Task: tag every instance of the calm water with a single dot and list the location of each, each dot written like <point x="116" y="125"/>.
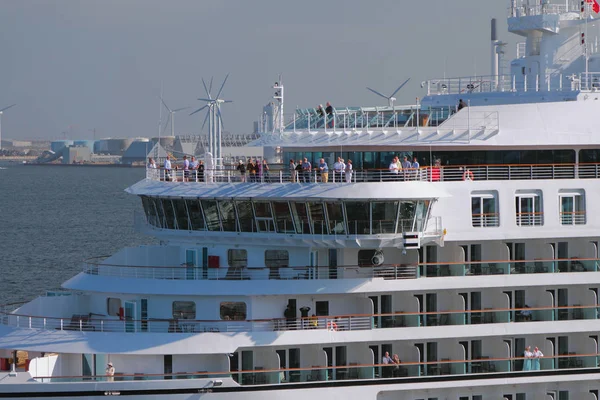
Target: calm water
<point x="53" y="218"/>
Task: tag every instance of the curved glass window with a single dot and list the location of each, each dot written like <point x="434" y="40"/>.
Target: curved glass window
<point x="264" y="217"/>
<point x="211" y="214"/>
<point x="300" y="214"/>
<point x="160" y="213"/>
<point x="317" y="217"/>
<point x="357" y="213"/>
<point x="283" y="217"/>
<point x="181" y="214"/>
<point x="407" y="216"/>
<point x="150" y="211"/>
<point x="196" y="216"/>
<point x="227" y="211"/>
<point x="169" y="213"/>
<point x="245" y="216"/>
<point x="384" y="214"/>
<point x="335" y="218"/>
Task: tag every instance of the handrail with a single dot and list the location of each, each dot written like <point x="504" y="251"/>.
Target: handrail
<point x="346" y="322"/>
<point x="336" y="367"/>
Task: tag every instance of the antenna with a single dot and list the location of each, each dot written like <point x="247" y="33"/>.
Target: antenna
<point x="1" y="113"/>
<point x="391" y="99"/>
<point x="215" y="120"/>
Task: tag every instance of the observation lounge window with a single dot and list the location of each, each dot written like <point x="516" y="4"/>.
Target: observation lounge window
<point x="421" y="215"/>
<point x="237" y="258"/>
<point x="572" y="207"/>
<point x="211" y="214"/>
<point x="283" y="217"/>
<point x="484" y="209"/>
<point x="528" y="206"/>
<point x="407" y="216"/>
<point x="181" y="214"/>
<point x="169" y="213"/>
<point x="160" y="213"/>
<point x="317" y="217"/>
<point x="233" y="311"/>
<point x="357" y="214"/>
<point x="228" y="219"/>
<point x="335" y="217"/>
<point x="277" y="258"/>
<point x="184" y="310"/>
<point x="300" y="215"/>
<point x="150" y="211"/>
<point x="196" y="216"/>
<point x="264" y="216"/>
<point x="384" y="215"/>
<point x="245" y="216"/>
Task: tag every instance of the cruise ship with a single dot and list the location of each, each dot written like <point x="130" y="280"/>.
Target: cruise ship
<point x="473" y="275"/>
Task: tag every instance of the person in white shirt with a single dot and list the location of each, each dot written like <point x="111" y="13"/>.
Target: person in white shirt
<point x="186" y="169"/>
<point x="527" y="355"/>
<point x="338" y="169"/>
<point x="194" y="168"/>
<point x="151" y="163"/>
<point x="167" y="168"/>
<point x="537" y="354"/>
<point x="394" y="168"/>
<point x="348" y="171"/>
<point x="110" y="372"/>
<point x="387" y="371"/>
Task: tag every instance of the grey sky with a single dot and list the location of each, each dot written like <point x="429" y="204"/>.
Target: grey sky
<point x="99" y="64"/>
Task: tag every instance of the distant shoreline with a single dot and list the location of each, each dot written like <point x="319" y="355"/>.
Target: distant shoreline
<point x="85" y="165"/>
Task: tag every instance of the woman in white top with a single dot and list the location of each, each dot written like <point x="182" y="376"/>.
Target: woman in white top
<point x="527" y="359"/>
<point x="151" y="163"/>
<point x="348" y="171"/>
<point x="537" y="354"/>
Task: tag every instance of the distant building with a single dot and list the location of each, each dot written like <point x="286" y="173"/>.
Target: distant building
<point x="76" y="154"/>
<point x="137" y="152"/>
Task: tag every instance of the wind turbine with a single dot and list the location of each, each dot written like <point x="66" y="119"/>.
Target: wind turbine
<point x="390" y="98"/>
<point x="171" y="116"/>
<point x="215" y="120"/>
<point x="2" y="112"/>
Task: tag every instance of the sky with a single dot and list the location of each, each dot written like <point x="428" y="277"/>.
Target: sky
<point x="78" y="67"/>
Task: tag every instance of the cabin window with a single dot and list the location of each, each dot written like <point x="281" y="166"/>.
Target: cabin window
<point x="484" y="209"/>
<point x="572" y="207"/>
<point x="113" y="305"/>
<point x="237" y="258"/>
<point x="277" y="258"/>
<point x="528" y="208"/>
<point x="233" y="311"/>
<point x="184" y="310"/>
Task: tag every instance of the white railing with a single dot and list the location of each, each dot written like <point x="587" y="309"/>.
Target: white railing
<point x="530" y="219"/>
<point x="485" y="220"/>
<point x="521" y="49"/>
<point x="435" y="174"/>
<point x="573" y="218"/>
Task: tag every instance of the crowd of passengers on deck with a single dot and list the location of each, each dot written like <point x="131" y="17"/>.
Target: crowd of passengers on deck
<point x="303" y="171"/>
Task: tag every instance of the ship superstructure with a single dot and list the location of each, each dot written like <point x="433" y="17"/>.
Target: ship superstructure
<point x="289" y="283"/>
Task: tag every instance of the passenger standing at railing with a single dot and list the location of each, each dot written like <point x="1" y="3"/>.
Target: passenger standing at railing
<point x="468" y="175"/>
<point x="292" y="168"/>
<point x="186" y="169"/>
<point x="151" y="163"/>
<point x="406" y="165"/>
<point x="537" y="354"/>
<point x="306" y="169"/>
<point x="110" y="372"/>
<point x="338" y="170"/>
<point x="436" y="171"/>
<point x="461" y="104"/>
<point x="201" y="171"/>
<point x="324" y="171"/>
<point x="348" y="171"/>
<point x="167" y="167"/>
<point x="393" y="168"/>
<point x="527" y="359"/>
<point x="242" y="168"/>
<point x="415" y="166"/>
<point x="250" y="170"/>
<point x="329" y="112"/>
<point x="194" y="168"/>
<point x="264" y="171"/>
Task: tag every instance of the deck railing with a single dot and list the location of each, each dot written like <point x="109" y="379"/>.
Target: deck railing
<point x="334" y="323"/>
<point x="495" y="367"/>
<point x="493" y="172"/>
<point x="96" y="266"/>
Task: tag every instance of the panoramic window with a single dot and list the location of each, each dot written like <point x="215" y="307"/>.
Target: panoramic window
<point x="184" y="310"/>
<point x="484" y="209"/>
<point x="196" y="216"/>
<point x="181" y="214"/>
<point x="572" y="207"/>
<point x="335" y="215"/>
<point x="283" y="217"/>
<point x="317" y="216"/>
<point x="528" y="207"/>
<point x="384" y="214"/>
<point x="277" y="258"/>
<point x="211" y="214"/>
<point x="407" y="216"/>
<point x="300" y="214"/>
<point x="264" y="217"/>
<point x="227" y="211"/>
<point x="150" y="211"/>
<point x="237" y="258"/>
<point x="245" y="216"/>
<point x="233" y="311"/>
<point x="357" y="213"/>
<point x="169" y="213"/>
<point x="112" y="306"/>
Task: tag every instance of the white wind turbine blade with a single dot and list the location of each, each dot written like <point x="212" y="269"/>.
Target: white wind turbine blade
<point x="166" y="124"/>
<point x="210" y="86"/>
<point x="206" y="89"/>
<point x="200" y="109"/>
<point x="220" y="118"/>
<point x="377" y="93"/>
<point x="205" y="118"/>
<point x="400" y="87"/>
<point x="223" y="84"/>
<point x="165" y="104"/>
<point x="6" y="108"/>
<point x="209" y="100"/>
<point x="180" y="109"/>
